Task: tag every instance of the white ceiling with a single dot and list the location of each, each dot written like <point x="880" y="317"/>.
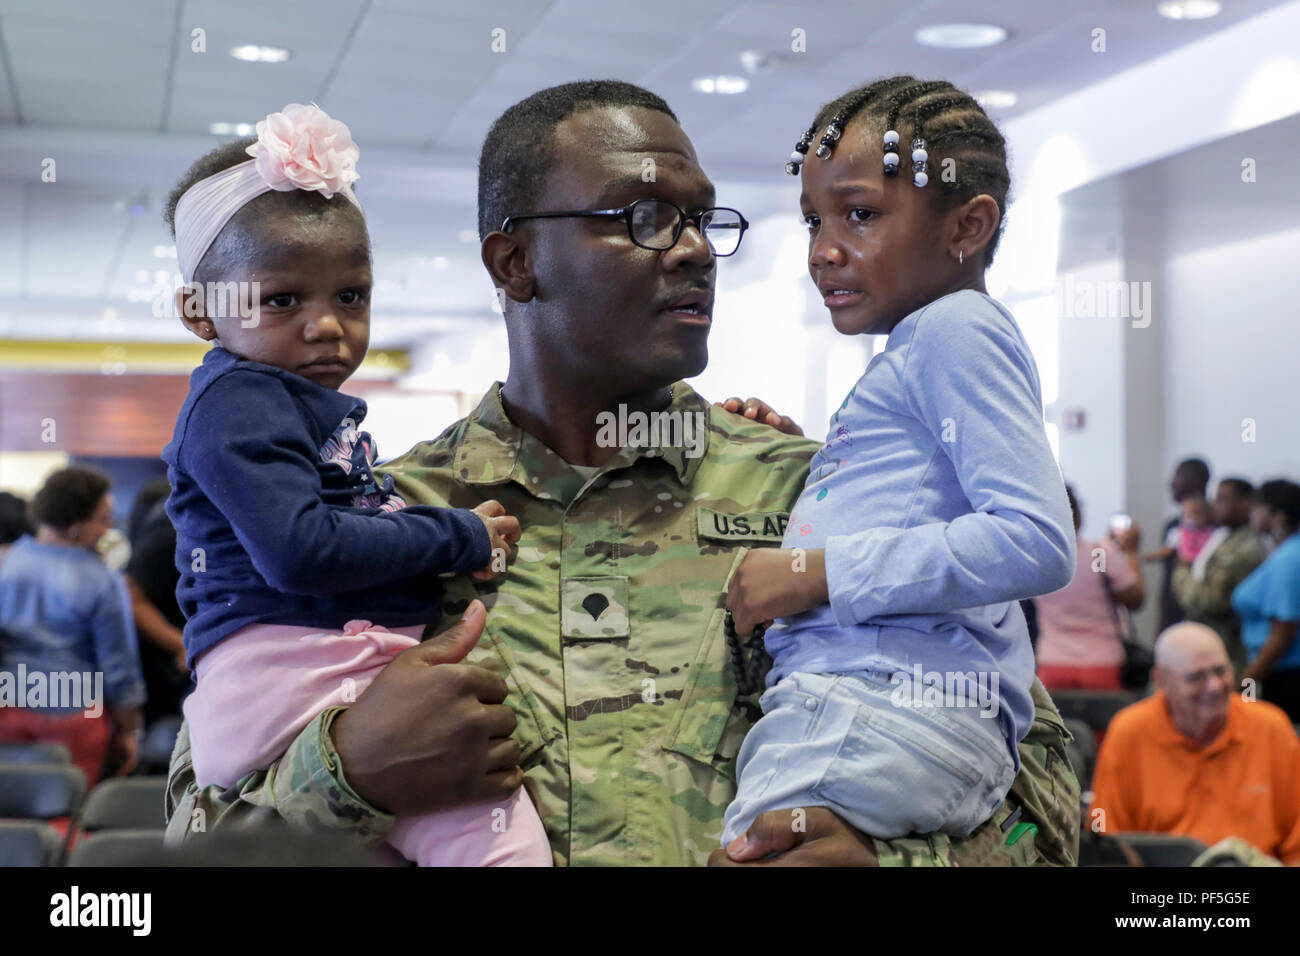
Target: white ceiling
<point x="112" y="91"/>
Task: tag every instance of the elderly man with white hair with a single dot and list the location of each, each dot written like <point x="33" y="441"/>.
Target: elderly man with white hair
<point x="1198" y="758"/>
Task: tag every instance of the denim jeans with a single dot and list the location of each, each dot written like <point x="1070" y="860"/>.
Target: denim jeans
<point x="845" y="742"/>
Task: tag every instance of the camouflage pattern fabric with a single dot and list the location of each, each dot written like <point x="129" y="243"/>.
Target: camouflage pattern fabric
<point x="1209" y="600"/>
<point x="608" y="630"/>
<point x="1234" y="851"/>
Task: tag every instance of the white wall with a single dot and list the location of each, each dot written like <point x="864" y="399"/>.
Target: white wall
<point x="1232" y="352"/>
<point x="1091" y="377"/>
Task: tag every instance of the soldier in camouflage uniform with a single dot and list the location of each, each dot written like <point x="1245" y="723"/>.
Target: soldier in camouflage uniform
<point x="608" y="627"/>
<point x="1207" y="599"/>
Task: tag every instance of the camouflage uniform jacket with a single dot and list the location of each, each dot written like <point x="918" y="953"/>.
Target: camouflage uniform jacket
<point x="1209" y="600"/>
<point x="608" y="630"/>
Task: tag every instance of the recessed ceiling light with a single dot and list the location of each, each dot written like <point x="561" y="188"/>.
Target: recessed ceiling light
<point x="253" y="53"/>
<point x="720" y="84"/>
<point x="755" y="61"/>
<point x="164" y="252"/>
<point x="961" y="36"/>
<point x="996" y="99"/>
<point x="1189" y="9"/>
<point x="468" y="235"/>
<point x="228" y="129"/>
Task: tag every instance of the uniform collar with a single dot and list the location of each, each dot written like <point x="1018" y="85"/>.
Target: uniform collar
<point x="492" y="449"/>
<point x="1168" y="732"/>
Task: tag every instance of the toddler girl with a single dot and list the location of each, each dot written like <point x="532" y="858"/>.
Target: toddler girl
<point x="302" y="574"/>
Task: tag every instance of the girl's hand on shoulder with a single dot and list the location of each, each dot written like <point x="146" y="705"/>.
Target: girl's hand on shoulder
<point x="504" y="531"/>
<point x="759" y="411"/>
<point x="776" y="582"/>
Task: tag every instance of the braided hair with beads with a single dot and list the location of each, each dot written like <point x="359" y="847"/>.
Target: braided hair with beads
<point x="940" y="115"/>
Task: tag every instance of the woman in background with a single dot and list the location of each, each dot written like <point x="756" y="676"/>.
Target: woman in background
<point x="65" y="612"/>
<point x="1269" y="604"/>
<point x="1080" y="632"/>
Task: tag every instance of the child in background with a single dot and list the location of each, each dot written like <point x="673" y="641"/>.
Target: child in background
<point x="1190" y="535"/>
<point x="287" y="543"/>
<point x="902" y="666"/>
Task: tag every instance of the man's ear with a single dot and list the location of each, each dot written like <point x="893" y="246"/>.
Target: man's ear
<point x="974" y="223"/>
<point x="1159" y="679"/>
<point x="190" y="308"/>
<point x="509" y="262"/>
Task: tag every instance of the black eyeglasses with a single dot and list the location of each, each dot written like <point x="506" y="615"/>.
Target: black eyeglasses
<point x="657" y="224"/>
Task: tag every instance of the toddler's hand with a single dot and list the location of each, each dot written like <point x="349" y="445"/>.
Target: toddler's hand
<point x="760" y="411"/>
<point x="504" y="531"/>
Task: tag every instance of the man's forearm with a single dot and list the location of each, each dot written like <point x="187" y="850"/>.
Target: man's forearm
<point x="305" y="787"/>
<point x="127" y="720"/>
<point x="150" y="623"/>
<point x="1281" y="636"/>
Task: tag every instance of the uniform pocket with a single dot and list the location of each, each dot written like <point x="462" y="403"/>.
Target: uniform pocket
<point x="708" y="726"/>
<point x="530" y="732"/>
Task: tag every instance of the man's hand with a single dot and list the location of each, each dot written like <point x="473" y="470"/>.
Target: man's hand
<point x="820" y="839"/>
<point x="430" y="734"/>
<point x="760" y="411"/>
<point x="124" y="748"/>
<point x="504" y="531"/>
<point x="772" y="583"/>
<point x="1129" y="540"/>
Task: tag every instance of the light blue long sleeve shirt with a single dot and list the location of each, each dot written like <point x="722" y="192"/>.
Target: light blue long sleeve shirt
<point x="63" y="611"/>
<point x="939" y="506"/>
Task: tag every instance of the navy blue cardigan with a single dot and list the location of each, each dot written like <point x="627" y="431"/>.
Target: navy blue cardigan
<point x="280" y="518"/>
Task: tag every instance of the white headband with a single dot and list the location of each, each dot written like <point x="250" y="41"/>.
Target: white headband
<point x="297" y="148"/>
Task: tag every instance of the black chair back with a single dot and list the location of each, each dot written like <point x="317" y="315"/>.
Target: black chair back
<point x="40" y="791"/>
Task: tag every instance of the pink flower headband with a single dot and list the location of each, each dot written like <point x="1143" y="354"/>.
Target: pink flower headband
<point x="297" y="148"/>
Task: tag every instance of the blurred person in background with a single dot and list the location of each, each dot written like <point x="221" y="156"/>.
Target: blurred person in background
<point x="1191" y="479"/>
<point x="151" y="578"/>
<point x="1195" y="759"/>
<point x="1268" y="602"/>
<point x="14" y="522"/>
<point x="1081" y="633"/>
<point x="1261" y="515"/>
<point x="65" y="612"/>
<point x="1188" y="538"/>
<point x="1205" y="584"/>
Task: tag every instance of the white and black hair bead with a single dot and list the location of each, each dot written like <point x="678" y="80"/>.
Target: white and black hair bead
<point x="919" y="157"/>
<point x="891" y="152"/>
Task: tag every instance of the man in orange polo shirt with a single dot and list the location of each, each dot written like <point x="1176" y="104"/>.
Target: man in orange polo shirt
<point x="1197" y="760"/>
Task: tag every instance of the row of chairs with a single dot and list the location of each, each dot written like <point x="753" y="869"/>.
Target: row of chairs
<point x="52" y="791"/>
<point x="47" y="817"/>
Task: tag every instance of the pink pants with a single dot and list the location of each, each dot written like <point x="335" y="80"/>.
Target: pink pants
<point x="259" y="688"/>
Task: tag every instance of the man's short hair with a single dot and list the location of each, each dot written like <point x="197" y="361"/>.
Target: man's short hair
<point x="1193" y="470"/>
<point x="1283" y="497"/>
<point x="1240" y="487"/>
<point x="520" y="147"/>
